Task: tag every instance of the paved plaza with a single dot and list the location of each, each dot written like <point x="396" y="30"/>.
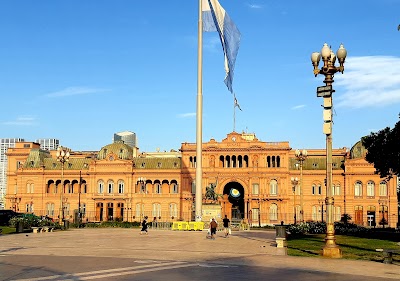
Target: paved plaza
<point x="124" y="254"/>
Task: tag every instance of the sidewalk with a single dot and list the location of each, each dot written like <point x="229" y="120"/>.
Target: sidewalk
<point x="255" y="248"/>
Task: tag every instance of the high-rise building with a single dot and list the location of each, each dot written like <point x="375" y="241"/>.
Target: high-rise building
<point x="127" y="137"/>
<point x="4" y="145"/>
<point x="48" y="144"/>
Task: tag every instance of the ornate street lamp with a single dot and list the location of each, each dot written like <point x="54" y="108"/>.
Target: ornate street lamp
<point x="328" y="70"/>
<point x="142" y="182"/>
<point x="301" y="156"/>
<point x="62" y="156"/>
<point x="295" y="182"/>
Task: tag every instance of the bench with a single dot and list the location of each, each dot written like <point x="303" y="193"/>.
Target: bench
<point x="36" y="229"/>
<point x="47" y="229"/>
<point x="388" y="254"/>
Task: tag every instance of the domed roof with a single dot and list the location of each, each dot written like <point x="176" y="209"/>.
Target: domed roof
<point x="119" y="149"/>
<point x="358" y="151"/>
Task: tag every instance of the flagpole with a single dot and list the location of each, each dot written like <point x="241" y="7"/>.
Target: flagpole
<point x="234" y="113"/>
<point x="199" y="117"/>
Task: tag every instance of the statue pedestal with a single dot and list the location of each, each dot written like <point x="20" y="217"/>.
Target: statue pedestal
<point x="210" y="211"/>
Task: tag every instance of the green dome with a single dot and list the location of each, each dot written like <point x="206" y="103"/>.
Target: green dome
<point x="118" y="149"/>
<point x="358" y="151"/>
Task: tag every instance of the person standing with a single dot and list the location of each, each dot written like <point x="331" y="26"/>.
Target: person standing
<point x="144" y="226"/>
<point x="213" y="228"/>
<point x="227" y="229"/>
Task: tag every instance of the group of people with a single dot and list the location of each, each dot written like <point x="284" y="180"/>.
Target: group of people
<point x="214" y="226"/>
<point x="212" y="230"/>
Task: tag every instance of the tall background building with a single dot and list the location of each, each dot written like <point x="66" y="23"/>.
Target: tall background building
<point x="48" y="144"/>
<point x="127" y="137"/>
<point x="4" y="145"/>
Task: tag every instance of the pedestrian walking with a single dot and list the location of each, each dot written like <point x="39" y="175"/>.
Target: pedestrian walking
<point x="144" y="226"/>
<point x="213" y="228"/>
<point x="227" y="229"/>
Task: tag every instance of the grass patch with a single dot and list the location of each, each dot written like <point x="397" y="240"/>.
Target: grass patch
<point x="7" y="229"/>
<point x="352" y="247"/>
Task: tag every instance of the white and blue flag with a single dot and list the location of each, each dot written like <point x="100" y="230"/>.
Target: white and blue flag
<point x="216" y="19"/>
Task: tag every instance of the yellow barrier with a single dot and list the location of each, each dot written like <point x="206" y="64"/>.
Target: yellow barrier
<point x="183" y="225"/>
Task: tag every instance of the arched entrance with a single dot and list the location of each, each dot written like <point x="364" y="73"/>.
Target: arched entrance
<point x="235" y="193"/>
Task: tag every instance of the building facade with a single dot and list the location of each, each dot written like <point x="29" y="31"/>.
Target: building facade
<point x="261" y="182"/>
<point x="5" y="144"/>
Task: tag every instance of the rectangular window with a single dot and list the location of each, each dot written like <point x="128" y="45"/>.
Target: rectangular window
<point x="382" y="189"/>
<point x="139" y="210"/>
<point x="256" y="189"/>
<point x="156" y="210"/>
<point x="194" y="187"/>
<point x="173" y="210"/>
<point x="254" y="214"/>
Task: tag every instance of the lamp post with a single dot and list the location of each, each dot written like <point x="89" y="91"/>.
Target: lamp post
<point x="301" y="156"/>
<point x="328" y="70"/>
<point x="62" y="156"/>
<point x="142" y="182"/>
<point x="79" y="199"/>
<point x="295" y="182"/>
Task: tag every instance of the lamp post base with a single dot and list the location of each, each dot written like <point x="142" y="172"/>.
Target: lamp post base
<point x="332" y="252"/>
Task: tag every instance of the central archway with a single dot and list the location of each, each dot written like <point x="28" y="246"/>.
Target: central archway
<point x="235" y="192"/>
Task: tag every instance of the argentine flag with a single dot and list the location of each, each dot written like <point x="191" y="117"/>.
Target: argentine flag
<point x="216" y="19"/>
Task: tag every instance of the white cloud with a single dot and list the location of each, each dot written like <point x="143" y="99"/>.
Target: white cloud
<point x="212" y="44"/>
<point x="371" y="81"/>
<point x="186" y="115"/>
<point x="254" y="6"/>
<point x="298" y="106"/>
<point x="21" y="121"/>
<point x="73" y="91"/>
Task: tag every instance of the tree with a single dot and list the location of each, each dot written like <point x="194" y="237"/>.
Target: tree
<point x="383" y="150"/>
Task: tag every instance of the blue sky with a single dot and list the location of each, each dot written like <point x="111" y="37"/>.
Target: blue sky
<point x="80" y="70"/>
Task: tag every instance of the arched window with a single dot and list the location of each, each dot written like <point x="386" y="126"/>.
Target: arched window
<point x="157" y="188"/>
<point x="246" y="161"/>
<point x="358" y="189"/>
<point x="383" y="191"/>
<point x="278" y="161"/>
<point x="110" y="187"/>
<point x="240" y="161"/>
<point x="100" y="187"/>
<point x="273" y="187"/>
<point x="273" y="212"/>
<point x="156" y="210"/>
<point x="30" y="188"/>
<point x="370" y="189"/>
<point x="313" y="189"/>
<point x="269" y="161"/>
<point x="174" y="187"/>
<point x="173" y="210"/>
<point x="221" y="161"/>
<point x="121" y="187"/>
<point x="234" y="162"/>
